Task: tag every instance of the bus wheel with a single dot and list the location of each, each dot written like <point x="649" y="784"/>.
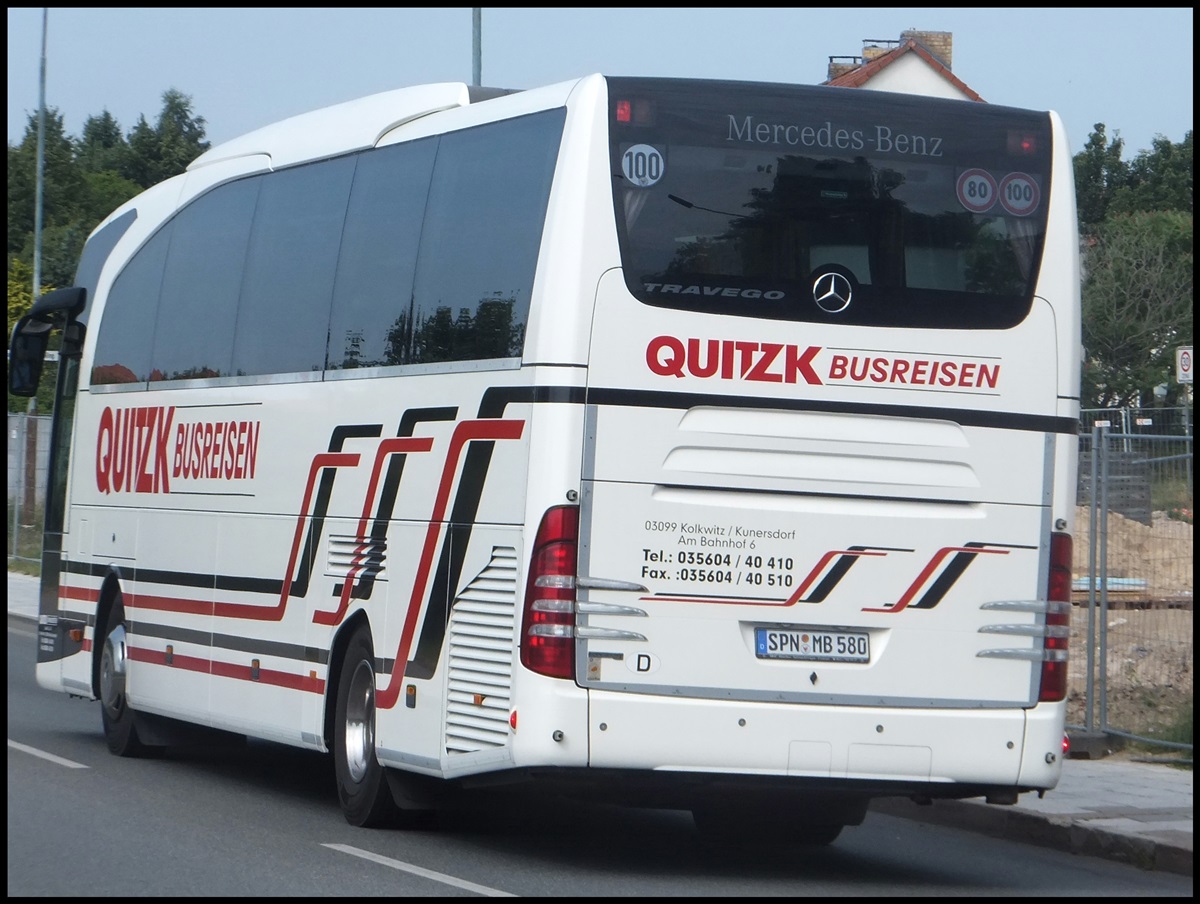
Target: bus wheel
<point x="120" y="732"/>
<point x="362" y="785"/>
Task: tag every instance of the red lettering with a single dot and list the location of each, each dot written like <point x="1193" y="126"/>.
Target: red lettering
<point x="672" y="364"/>
<point x="708" y="367"/>
<point x="801" y="363"/>
<point x="770" y="351"/>
<point x="746" y="352"/>
<point x="104" y="451"/>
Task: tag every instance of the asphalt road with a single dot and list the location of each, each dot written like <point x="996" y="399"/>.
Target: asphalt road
<point x="262" y="819"/>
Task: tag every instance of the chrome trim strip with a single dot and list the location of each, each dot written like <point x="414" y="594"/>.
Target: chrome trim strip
<point x="609" y="609"/>
<point x="587" y="632"/>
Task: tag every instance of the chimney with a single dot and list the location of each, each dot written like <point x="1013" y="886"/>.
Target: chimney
<point x="874" y="48"/>
<point x="939" y="43"/>
<point x="840" y="65"/>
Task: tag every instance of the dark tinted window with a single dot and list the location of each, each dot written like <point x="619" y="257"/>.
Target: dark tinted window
<point x="95" y="256"/>
<point x="483" y="228"/>
<point x="372" y="299"/>
<point x="127" y="328"/>
<point x="737" y="198"/>
<point x="199" y="303"/>
<point x="288" y="286"/>
<point x="434" y="254"/>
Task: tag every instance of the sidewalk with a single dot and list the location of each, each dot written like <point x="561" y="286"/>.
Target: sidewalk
<point x="1116" y="807"/>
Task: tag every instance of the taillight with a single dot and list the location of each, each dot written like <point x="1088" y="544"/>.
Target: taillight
<point x="548" y="620"/>
<point x="1058" y="621"/>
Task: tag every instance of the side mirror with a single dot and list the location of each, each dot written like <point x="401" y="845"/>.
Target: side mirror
<point x="26" y="352"/>
<point x="58" y="306"/>
<point x="27" y="347"/>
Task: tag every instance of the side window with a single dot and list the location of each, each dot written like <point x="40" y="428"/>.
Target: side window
<point x="199" y="304"/>
<point x="479" y="248"/>
<point x="288" y="286"/>
<point x="372" y="298"/>
<point x="127" y="326"/>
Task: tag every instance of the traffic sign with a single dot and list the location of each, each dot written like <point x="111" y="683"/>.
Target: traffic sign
<point x="1183" y="364"/>
<point x="1019" y="194"/>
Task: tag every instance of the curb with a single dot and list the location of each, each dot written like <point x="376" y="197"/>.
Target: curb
<point x="1056" y="832"/>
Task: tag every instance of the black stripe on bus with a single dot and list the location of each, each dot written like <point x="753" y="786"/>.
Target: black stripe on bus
<point x="1002" y="420"/>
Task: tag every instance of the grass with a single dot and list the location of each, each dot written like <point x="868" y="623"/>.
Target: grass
<point x="25" y="557"/>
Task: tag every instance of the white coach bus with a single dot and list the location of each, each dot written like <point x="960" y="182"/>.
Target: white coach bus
<point x="696" y="444"/>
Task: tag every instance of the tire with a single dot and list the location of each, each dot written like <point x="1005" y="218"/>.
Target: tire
<point x="726" y="825"/>
<point x="361" y="782"/>
<point x="116" y="715"/>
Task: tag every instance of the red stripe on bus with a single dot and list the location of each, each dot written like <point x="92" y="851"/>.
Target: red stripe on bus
<point x="386" y="448"/>
<point x="467" y="431"/>
<point x="85" y="594"/>
<point x="307" y="683"/>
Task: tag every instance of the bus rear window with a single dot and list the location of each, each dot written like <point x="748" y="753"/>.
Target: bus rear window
<point x="828" y="204"/>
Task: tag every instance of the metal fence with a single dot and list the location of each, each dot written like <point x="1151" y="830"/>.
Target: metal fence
<point x="1131" y="640"/>
<point x="1131" y="635"/>
<point x="28" y="455"/>
<point x="1142" y="421"/>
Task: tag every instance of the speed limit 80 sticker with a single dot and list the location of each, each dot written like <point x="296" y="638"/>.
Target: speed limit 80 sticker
<point x="976" y="190"/>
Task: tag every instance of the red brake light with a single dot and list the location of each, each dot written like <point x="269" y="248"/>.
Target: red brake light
<point x="1058" y="620"/>
<point x="548" y="620"/>
<point x="638" y="112"/>
<point x="1022" y="144"/>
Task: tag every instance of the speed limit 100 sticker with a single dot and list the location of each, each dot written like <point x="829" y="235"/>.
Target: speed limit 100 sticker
<point x="643" y="165"/>
<point x="976" y="190"/>
<point x="1019" y="194"/>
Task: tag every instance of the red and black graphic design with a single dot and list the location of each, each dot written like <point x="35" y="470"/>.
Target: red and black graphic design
<point x="932" y="583"/>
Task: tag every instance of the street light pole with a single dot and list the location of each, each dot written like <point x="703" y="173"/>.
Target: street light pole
<point x="41" y="166"/>
<point x="476" y="45"/>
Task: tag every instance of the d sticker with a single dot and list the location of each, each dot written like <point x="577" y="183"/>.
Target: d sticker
<point x="642" y="663"/>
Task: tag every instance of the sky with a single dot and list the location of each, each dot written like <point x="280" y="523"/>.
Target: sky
<point x="1130" y="69"/>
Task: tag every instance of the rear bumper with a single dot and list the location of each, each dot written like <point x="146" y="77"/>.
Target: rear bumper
<point x="939" y="753"/>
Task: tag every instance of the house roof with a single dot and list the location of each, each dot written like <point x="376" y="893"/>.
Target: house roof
<point x="858" y="77"/>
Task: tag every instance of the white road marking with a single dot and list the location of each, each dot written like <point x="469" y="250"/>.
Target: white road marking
<point x="70" y="764"/>
<point x="419" y="871"/>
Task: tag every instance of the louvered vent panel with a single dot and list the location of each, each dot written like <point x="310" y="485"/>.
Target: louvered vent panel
<point x="481" y="650"/>
<point x="347" y="552"/>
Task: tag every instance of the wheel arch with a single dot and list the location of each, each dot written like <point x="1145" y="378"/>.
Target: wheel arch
<point x="110" y="590"/>
<point x="337" y="654"/>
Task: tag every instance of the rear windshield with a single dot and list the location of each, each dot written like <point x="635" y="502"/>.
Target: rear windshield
<point x="828" y="204"/>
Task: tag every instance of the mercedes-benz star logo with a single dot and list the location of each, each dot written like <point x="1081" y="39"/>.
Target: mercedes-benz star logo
<point x="832" y="292"/>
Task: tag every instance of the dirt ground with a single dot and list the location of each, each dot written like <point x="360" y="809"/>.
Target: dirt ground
<point x="1148" y="638"/>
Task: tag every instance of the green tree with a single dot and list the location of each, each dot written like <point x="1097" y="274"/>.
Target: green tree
<point x="1099" y="174"/>
<point x="1137" y="306"/>
<point x="164" y="150"/>
<point x="1159" y="179"/>
<point x="62" y="182"/>
<point x="103" y="148"/>
<point x="1136" y="223"/>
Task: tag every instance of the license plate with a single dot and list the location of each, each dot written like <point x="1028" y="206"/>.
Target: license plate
<point x="817" y="644"/>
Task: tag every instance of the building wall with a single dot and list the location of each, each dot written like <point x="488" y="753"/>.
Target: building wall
<point x="911" y="75"/>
